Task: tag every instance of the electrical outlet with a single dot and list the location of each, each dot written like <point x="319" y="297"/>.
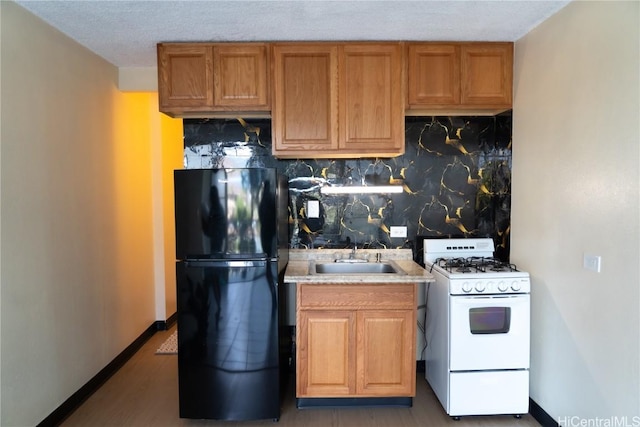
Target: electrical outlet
<point x="398" y="231"/>
<point x="591" y="262"/>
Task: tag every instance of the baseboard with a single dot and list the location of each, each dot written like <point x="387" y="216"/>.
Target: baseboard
<point x="540" y="415"/>
<point x="77" y="398"/>
<point x="163" y="325"/>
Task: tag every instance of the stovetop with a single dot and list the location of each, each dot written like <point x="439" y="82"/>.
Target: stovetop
<point x="469" y="267"/>
<point x="475" y="265"/>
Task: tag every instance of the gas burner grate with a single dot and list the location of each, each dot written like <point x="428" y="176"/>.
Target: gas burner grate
<point x="474" y="265"/>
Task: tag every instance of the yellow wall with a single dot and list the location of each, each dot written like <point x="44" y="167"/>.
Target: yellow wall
<point x="576" y="162"/>
<point x="172" y="158"/>
<point x="77" y="189"/>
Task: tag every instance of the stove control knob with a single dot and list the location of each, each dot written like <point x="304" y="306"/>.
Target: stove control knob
<point x="515" y="285"/>
<point x="480" y="287"/>
<point x="502" y="286"/>
<point x="466" y="287"/>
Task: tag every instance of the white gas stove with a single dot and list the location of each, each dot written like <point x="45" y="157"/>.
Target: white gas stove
<point x="471" y="268"/>
<point x="477" y="329"/>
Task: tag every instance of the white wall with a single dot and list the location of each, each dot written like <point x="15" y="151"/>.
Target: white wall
<point x="576" y="162"/>
<point x="76" y="250"/>
<point x="138" y="79"/>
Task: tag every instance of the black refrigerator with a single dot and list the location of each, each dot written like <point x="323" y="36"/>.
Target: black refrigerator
<point x="231" y="250"/>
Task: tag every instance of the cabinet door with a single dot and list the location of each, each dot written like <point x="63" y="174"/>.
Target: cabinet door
<point x="433" y="75"/>
<point x="487" y="74"/>
<point x="185" y="78"/>
<point x="371" y="114"/>
<point x="325" y="353"/>
<point x="386" y="353"/>
<point x="305" y="103"/>
<point x="240" y="77"/>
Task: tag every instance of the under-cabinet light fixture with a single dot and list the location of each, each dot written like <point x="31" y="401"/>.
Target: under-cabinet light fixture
<point x="362" y="189"/>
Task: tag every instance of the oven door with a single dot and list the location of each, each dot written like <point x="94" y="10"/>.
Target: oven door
<point x="489" y="332"/>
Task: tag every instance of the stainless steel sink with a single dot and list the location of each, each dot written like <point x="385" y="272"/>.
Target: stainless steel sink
<point x="356" y="268"/>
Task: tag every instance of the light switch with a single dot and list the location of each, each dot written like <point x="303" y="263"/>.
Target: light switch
<point x="313" y="209"/>
<point x="591" y="262"/>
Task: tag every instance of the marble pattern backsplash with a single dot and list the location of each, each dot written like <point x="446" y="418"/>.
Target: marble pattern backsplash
<point x="455" y="173"/>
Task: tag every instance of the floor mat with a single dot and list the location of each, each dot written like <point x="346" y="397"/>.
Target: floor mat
<point x="170" y="346"/>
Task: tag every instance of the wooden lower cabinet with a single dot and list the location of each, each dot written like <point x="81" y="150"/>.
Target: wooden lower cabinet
<point x="385" y="355"/>
<point x="356" y="340"/>
<point x="326" y="348"/>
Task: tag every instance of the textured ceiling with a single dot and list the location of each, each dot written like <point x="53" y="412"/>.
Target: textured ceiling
<point x="125" y="33"/>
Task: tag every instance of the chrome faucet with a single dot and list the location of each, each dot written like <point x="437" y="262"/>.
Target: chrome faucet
<point x="352" y="258"/>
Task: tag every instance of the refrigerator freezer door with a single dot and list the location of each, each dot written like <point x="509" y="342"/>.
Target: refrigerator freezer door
<point x="228" y="213"/>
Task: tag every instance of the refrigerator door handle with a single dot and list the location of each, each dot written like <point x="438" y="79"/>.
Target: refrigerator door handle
<point x="227" y="263"/>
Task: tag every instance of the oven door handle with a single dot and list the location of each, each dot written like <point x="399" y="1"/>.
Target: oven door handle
<point x="476" y="297"/>
<point x="490" y="300"/>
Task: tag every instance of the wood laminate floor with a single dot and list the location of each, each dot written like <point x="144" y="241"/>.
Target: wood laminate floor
<point x="144" y="392"/>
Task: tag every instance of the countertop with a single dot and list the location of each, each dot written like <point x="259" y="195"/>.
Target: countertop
<point x="300" y="259"/>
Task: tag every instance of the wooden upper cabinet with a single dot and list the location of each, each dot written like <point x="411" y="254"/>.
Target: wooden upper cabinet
<point x="340" y="100"/>
<point x="199" y="79"/>
<point x="185" y="77"/>
<point x="371" y="114"/>
<point x="241" y="77"/>
<point x="305" y="99"/>
<point x="487" y="74"/>
<point x="459" y="77"/>
<point x="434" y="74"/>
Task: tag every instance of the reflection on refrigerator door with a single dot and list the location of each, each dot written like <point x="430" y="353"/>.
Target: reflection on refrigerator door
<point x="231" y="247"/>
<point x="228" y="341"/>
